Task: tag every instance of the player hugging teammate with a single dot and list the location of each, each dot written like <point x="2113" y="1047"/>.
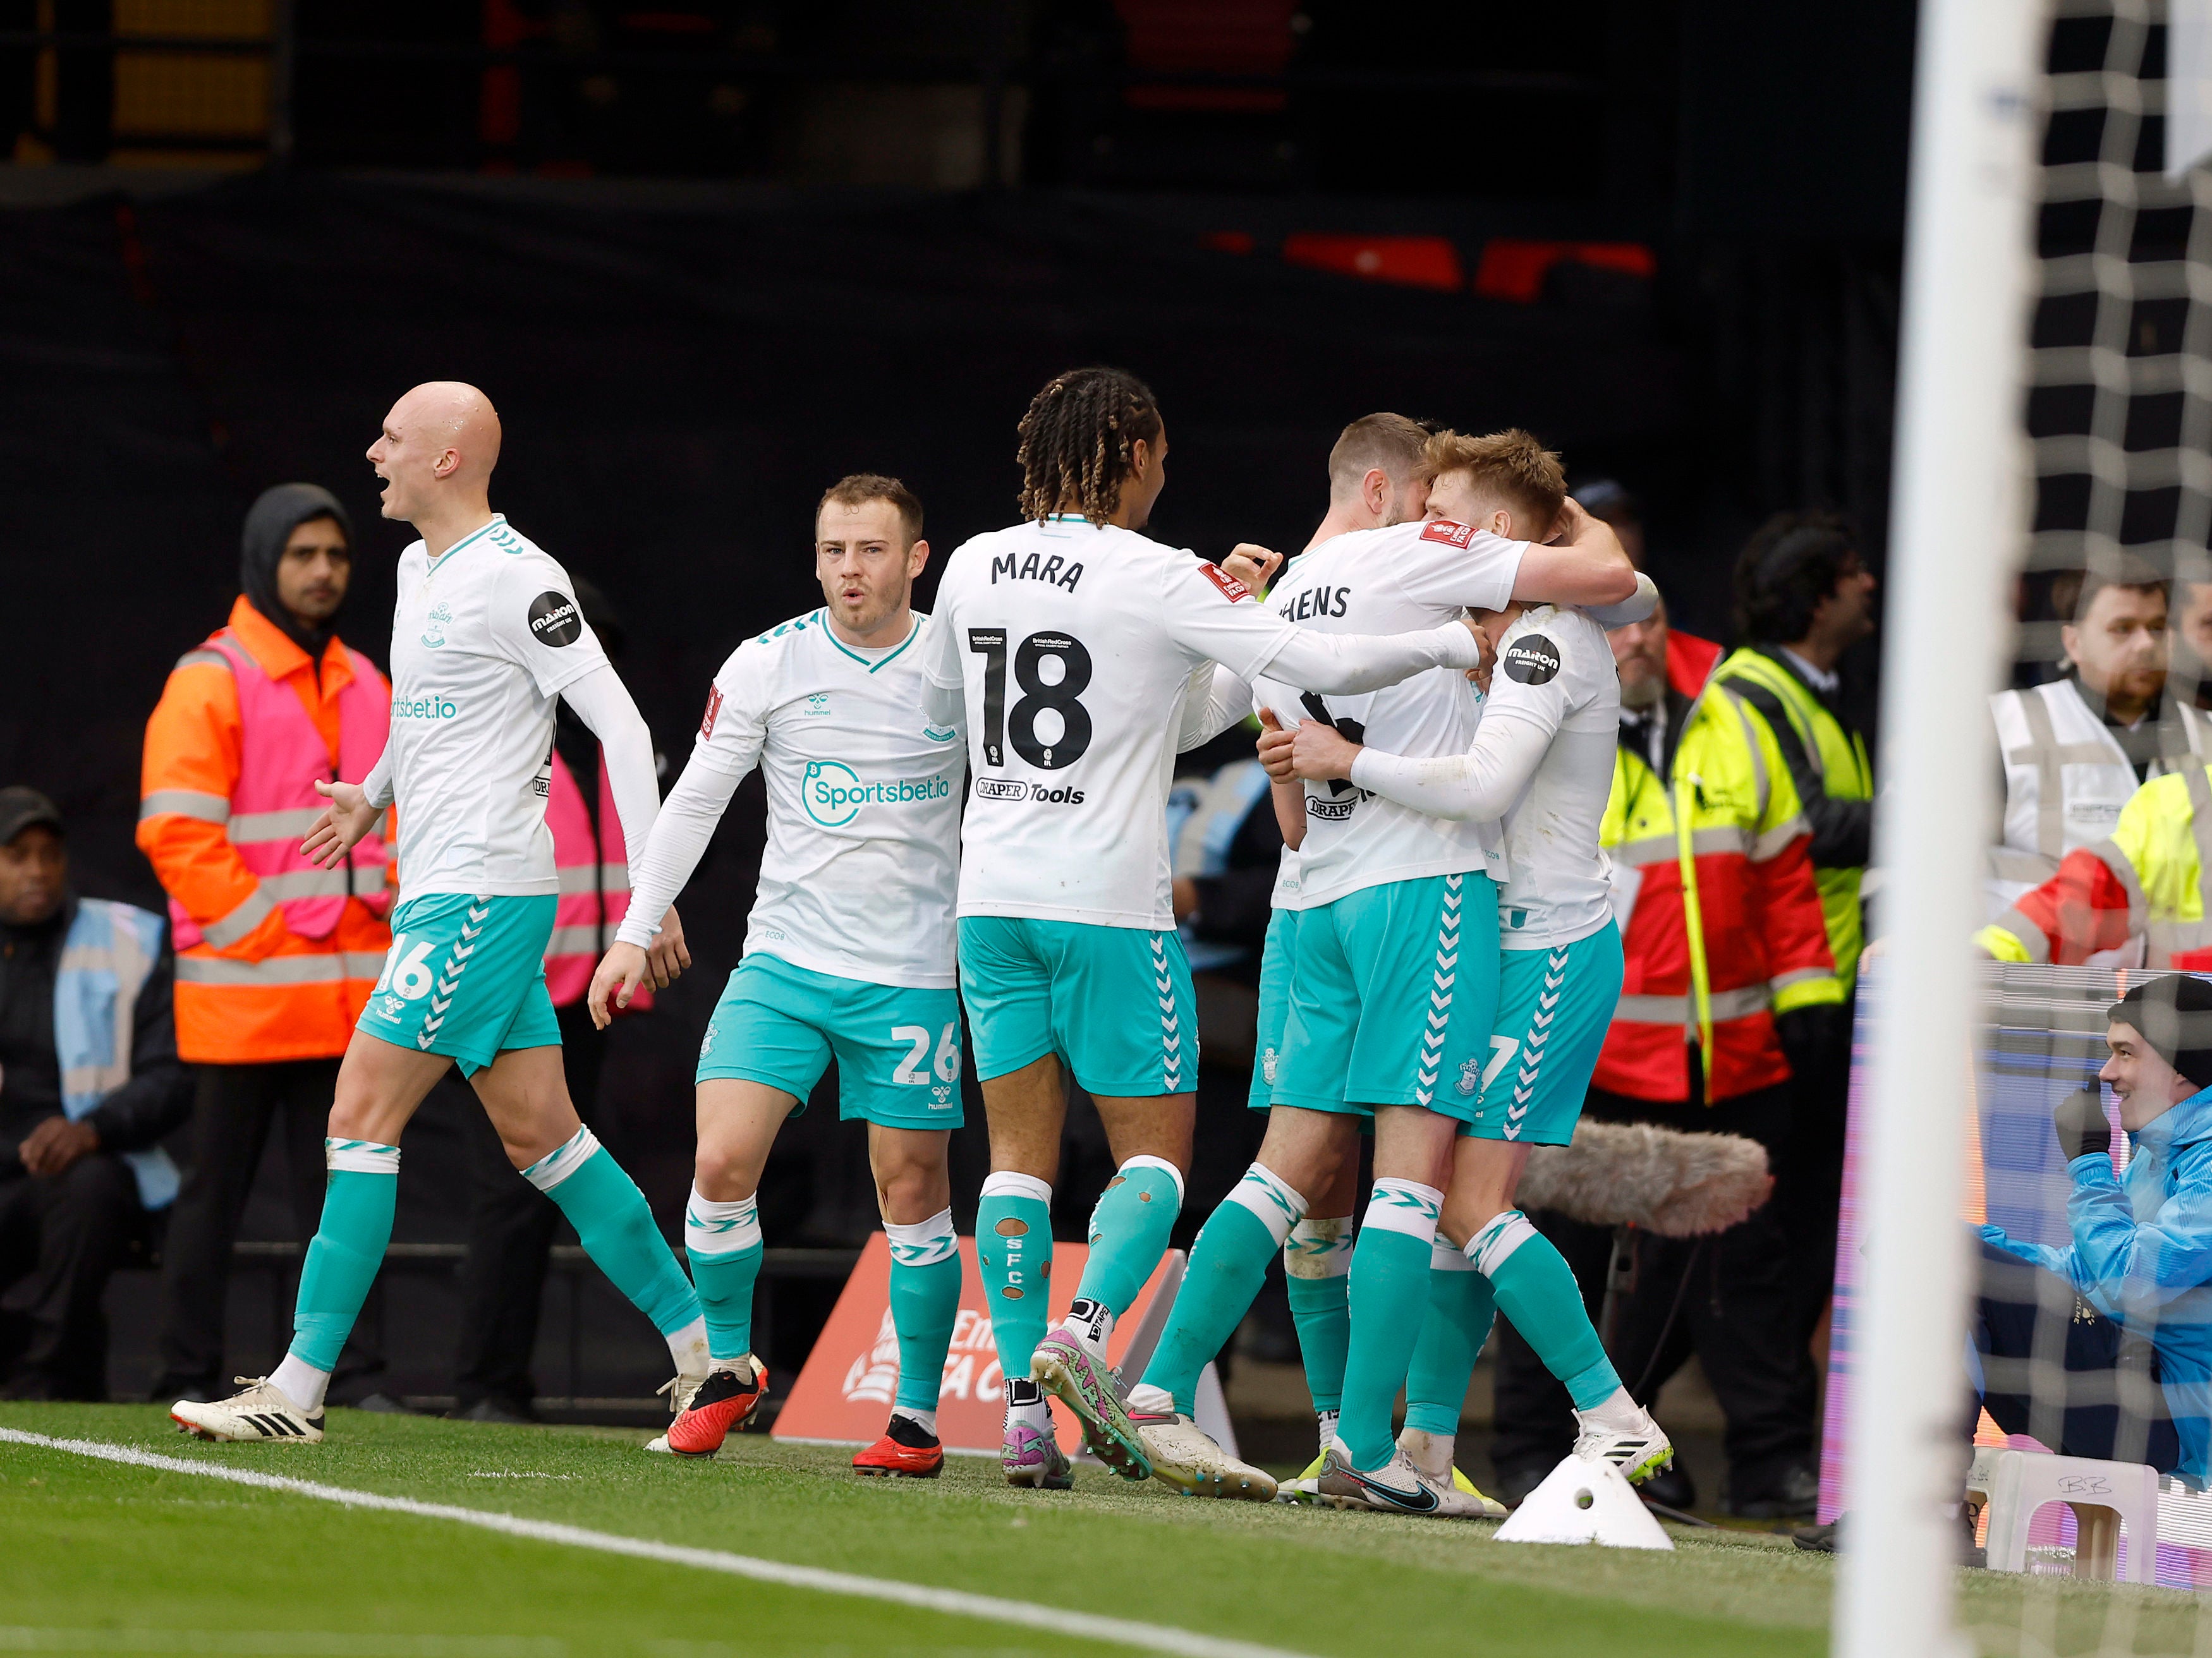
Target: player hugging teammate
<point x="1440" y="971"/>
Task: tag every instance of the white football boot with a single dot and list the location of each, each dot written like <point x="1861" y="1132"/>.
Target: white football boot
<point x="1621" y="1432"/>
<point x="1431" y="1457"/>
<point x="262" y="1411"/>
<point x="1396" y="1487"/>
<point x="1184" y="1455"/>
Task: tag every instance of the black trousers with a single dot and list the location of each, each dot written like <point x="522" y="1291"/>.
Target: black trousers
<point x="59" y="1240"/>
<point x="232" y="1115"/>
<point x="1809" y="1183"/>
<point x="511" y="1228"/>
<point x="1734" y="1300"/>
<point x="2092" y="1390"/>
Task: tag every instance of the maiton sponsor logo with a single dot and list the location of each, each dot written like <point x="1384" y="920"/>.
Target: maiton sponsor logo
<point x="1532" y="659"/>
<point x="555" y="620"/>
<point x="1007" y="788"/>
<point x="833" y="792"/>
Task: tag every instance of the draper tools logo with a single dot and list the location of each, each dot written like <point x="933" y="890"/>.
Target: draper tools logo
<point x="833" y="792"/>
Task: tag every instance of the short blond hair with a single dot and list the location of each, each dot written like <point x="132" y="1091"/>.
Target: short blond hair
<point x="1511" y="466"/>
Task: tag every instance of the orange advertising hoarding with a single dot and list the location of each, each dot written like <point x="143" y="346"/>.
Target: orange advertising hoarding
<point x="844" y="1393"/>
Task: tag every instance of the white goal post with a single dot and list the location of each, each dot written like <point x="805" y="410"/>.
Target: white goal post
<point x="1957" y="522"/>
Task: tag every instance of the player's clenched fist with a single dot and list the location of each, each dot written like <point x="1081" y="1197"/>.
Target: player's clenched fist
<point x="1274" y="746"/>
<point x="1319" y="752"/>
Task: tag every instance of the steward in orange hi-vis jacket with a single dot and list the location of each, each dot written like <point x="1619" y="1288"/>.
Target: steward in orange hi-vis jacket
<point x="274" y="957"/>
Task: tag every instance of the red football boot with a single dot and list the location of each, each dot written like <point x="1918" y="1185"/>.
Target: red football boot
<point x="726" y="1402"/>
<point x="907" y="1451"/>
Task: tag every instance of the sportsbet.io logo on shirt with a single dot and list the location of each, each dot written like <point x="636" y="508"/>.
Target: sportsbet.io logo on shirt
<point x="433" y="707"/>
<point x="833" y="792"/>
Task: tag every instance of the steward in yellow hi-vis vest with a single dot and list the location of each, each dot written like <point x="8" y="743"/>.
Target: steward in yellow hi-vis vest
<point x="1803" y="598"/>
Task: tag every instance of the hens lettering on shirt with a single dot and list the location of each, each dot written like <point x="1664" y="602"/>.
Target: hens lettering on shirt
<point x="1051" y="567"/>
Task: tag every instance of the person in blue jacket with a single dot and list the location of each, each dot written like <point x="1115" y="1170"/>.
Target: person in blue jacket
<point x="2103" y="1348"/>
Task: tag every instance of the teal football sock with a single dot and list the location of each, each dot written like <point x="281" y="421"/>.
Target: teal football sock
<point x="924" y="1304"/>
<point x="1228" y="1263"/>
<point x="348" y="1248"/>
<point x="1390" y="1293"/>
<point x="617" y="1230"/>
<point x="723" y="1241"/>
<point x="1129" y="1231"/>
<point x="1461" y="1312"/>
<point x="1536" y="1288"/>
<point x="1317" y="1267"/>
<point x="1013" y="1257"/>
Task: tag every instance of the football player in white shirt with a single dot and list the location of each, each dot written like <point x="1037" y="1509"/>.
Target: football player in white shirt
<point x="486" y="635"/>
<point x="1542" y="762"/>
<point x="849" y="952"/>
<point x="1067" y="647"/>
<point x="1373" y="482"/>
<point x="1395" y="972"/>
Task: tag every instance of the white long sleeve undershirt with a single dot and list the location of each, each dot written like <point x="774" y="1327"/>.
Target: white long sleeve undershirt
<point x="1482" y="783"/>
<point x="680" y="834"/>
<point x="603" y="702"/>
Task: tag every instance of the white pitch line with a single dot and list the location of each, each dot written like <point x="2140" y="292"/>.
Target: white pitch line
<point x="959" y="1603"/>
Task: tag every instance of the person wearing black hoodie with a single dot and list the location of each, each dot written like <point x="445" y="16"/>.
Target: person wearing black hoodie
<point x="274" y="958"/>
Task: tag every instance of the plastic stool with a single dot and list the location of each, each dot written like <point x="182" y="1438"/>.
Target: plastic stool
<point x="2104" y="1496"/>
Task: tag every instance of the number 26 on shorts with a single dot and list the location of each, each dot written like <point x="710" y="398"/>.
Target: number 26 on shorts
<point x="946" y="1063"/>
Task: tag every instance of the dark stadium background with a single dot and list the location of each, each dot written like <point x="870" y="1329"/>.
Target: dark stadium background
<point x="708" y="258"/>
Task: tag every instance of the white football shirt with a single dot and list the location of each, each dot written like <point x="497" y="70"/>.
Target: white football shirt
<point x="1073" y="644"/>
<point x="482" y="640"/>
<point x="861" y="866"/>
<point x="1394" y="579"/>
<point x="1555" y="671"/>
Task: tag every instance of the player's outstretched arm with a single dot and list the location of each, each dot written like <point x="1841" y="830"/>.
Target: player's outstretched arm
<point x="1345" y="665"/>
<point x="1585" y="563"/>
<point x="1481" y="783"/>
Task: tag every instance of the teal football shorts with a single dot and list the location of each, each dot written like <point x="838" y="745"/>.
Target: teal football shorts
<point x="897" y="1048"/>
<point x="1393" y="991"/>
<point x="1114" y="1002"/>
<point x="465" y="977"/>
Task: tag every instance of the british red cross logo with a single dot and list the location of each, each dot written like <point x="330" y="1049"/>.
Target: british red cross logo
<point x="1444" y="529"/>
<point x="714" y="708"/>
<point x="1231" y="588"/>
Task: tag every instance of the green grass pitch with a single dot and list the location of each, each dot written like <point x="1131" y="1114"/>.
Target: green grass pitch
<point x="95" y="1556"/>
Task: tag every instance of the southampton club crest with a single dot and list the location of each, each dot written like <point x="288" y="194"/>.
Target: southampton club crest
<point x="1269" y="1063"/>
<point x="1470" y="1076"/>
